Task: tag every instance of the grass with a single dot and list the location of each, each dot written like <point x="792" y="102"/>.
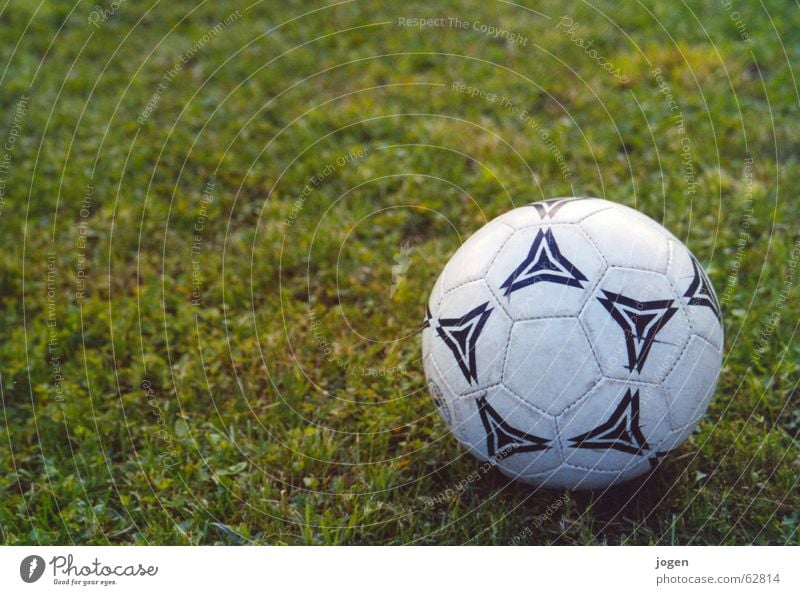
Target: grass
<point x="202" y="339"/>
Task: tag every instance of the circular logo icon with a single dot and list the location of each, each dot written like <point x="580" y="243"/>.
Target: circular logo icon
<point x="31" y="568"/>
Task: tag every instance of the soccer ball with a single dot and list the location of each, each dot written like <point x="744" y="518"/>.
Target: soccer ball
<point x="572" y="343"/>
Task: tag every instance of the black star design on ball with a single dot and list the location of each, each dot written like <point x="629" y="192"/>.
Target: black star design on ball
<point x="461" y="335"/>
<point x="700" y="292"/>
<point x="502" y="439"/>
<point x="547" y="209"/>
<point x="544" y="263"/>
<point x="620" y="432"/>
<point x="640" y="321"/>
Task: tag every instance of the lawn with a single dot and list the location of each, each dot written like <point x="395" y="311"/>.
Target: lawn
<point x="220" y="222"/>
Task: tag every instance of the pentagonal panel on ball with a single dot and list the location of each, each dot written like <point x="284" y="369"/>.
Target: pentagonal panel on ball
<point x="636" y="325"/>
<point x="545" y="271"/>
<point x="615" y="427"/>
<point x="497" y="426"/>
<point x="469" y="333"/>
<point x="692" y="381"/>
<point x="581" y="478"/>
<point x="523" y="216"/>
<point x="625" y="239"/>
<point x="549" y="363"/>
<point x="472" y="259"/>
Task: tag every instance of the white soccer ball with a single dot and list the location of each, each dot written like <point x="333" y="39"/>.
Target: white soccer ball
<point x="572" y="343"/>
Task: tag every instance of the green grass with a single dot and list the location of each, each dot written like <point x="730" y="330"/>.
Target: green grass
<point x="249" y="433"/>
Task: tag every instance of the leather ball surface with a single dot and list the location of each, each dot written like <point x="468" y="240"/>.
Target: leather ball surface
<point x="572" y="343"/>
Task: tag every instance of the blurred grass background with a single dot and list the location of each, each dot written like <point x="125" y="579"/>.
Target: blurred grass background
<point x="204" y="339"/>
